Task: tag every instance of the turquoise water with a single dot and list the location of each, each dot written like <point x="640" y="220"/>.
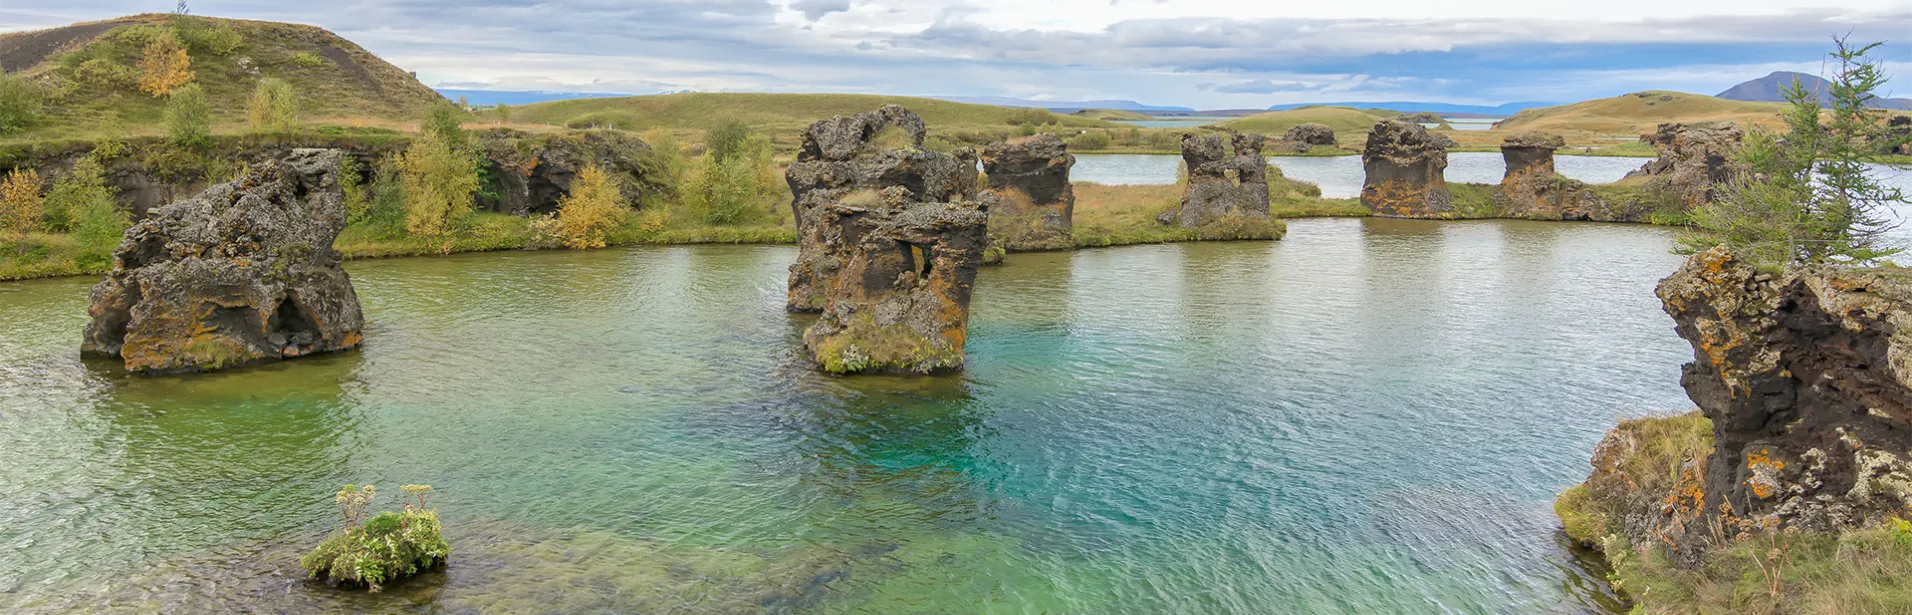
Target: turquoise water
<point x="1370" y="416"/>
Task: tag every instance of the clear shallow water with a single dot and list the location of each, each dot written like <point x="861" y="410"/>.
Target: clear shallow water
<point x="1340" y="176"/>
<point x="1369" y="416"/>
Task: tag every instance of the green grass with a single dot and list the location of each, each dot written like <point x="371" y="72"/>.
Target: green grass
<point x="784" y="116"/>
<point x="1113" y="115"/>
<point x="337" y="81"/>
<point x="1341" y="119"/>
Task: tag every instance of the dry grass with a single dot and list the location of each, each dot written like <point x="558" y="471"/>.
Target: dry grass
<point x="1649" y="463"/>
<point x="1638" y="113"/>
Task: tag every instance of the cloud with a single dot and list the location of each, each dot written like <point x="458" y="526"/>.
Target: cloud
<point x="815" y="9"/>
<point x="1201" y="53"/>
<point x="1259" y="86"/>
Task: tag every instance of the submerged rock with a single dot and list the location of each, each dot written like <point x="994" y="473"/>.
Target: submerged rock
<point x="244" y="272"/>
<point x="899" y="301"/>
<point x="1036" y="202"/>
<point x="1225" y="179"/>
<point x="839" y="157"/>
<point x="1807" y="377"/>
<point x="1693" y="160"/>
<point x="1406" y="169"/>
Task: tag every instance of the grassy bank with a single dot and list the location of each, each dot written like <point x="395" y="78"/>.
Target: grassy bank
<point x="1651" y="464"/>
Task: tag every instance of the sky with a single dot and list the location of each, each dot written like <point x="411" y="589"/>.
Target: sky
<point x="1210" y="54"/>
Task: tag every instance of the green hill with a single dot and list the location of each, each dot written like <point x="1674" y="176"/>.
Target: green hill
<point x="89" y="74"/>
<point x="1113" y="115"/>
<point x="1639" y="113"/>
<point x="781" y="114"/>
<point x="1341" y="119"/>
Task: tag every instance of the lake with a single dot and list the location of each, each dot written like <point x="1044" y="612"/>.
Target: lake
<point x="1341" y="176"/>
<point x="1371" y="416"/>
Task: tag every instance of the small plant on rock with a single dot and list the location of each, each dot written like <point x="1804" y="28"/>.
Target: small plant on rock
<point x="381" y="549"/>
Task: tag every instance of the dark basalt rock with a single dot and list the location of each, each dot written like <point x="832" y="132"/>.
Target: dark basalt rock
<point x="1420" y="117"/>
<point x="242" y="273"/>
<point x="838" y="159"/>
<point x="1807" y="377"/>
<point x="1693" y="160"/>
<point x="899" y="301"/>
<point x="532" y="173"/>
<point x="1036" y="202"/>
<point x="1532" y="190"/>
<point x="1225" y="178"/>
<point x="1406" y="169"/>
<point x="1304" y="137"/>
<point x="1529" y="153"/>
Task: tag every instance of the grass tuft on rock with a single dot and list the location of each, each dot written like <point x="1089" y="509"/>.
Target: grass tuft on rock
<point x="383" y="549"/>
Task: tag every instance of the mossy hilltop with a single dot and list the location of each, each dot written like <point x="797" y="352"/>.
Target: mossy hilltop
<point x="90" y="72"/>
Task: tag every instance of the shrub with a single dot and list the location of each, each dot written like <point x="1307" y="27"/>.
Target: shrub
<point x="503" y="112"/>
<point x="164" y="65"/>
<point x="1033" y="116"/>
<point x="1026" y="129"/>
<point x="308" y="59"/>
<point x="274" y="106"/>
<point x="1809" y="196"/>
<point x="439" y="181"/>
<point x="206" y="35"/>
<point x="20" y="103"/>
<point x="727" y="140"/>
<point x="20" y="205"/>
<point x="1090" y="141"/>
<point x="75" y="193"/>
<point x="447" y="123"/>
<point x="387" y="547"/>
<point x="593" y="209"/>
<point x="188" y="117"/>
<point x="385" y="211"/>
<point x="98" y="225"/>
<point x="106" y="73"/>
<point x="667" y="164"/>
<point x="358" y="199"/>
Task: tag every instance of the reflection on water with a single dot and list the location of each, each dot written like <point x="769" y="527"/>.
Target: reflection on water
<point x="1340" y="176"/>
<point x="1369" y="416"/>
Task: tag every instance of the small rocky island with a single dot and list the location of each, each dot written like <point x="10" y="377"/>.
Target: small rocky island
<point x="244" y="272"/>
<point x="1406" y="169"/>
<point x="1035" y="203"/>
<point x="889" y="244"/>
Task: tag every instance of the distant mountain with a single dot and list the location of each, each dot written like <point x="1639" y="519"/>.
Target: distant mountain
<point x="1121" y="105"/>
<point x="1769" y="89"/>
<point x="484" y="98"/>
<point x="1410" y="106"/>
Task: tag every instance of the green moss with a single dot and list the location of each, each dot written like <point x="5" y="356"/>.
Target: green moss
<point x="1583" y="521"/>
<point x="862" y="345"/>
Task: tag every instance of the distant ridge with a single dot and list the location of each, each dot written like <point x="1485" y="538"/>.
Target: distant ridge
<point x="1769" y="89"/>
<point x="483" y="98"/>
<point x="1411" y="106"/>
<point x="1120" y="105"/>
